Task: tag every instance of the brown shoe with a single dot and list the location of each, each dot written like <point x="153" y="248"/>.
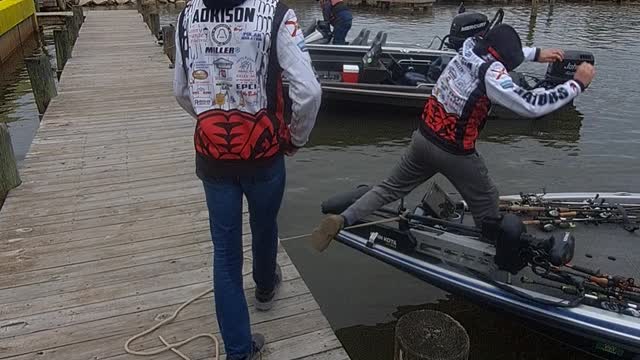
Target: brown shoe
<point x="329" y="227"/>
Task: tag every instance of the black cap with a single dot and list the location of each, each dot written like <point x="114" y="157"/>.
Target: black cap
<point x="503" y="42"/>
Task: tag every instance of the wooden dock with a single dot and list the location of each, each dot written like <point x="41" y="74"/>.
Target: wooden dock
<point x="108" y="234"/>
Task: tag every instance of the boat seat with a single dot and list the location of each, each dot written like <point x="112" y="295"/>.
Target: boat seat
<point x="437" y="67"/>
<point x="412" y="78"/>
<point x="362" y="38"/>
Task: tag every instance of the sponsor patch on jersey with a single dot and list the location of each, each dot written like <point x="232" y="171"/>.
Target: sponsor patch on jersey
<point x="303" y="46"/>
<point x="223" y="64"/>
<point x="507" y="84"/>
<point x="221" y="34"/>
<point x="251" y="35"/>
<point x="200" y="74"/>
<point x="292" y="26"/>
<point x="202" y="102"/>
<point x="246" y="72"/>
<point x="221" y="50"/>
<point x="500" y="73"/>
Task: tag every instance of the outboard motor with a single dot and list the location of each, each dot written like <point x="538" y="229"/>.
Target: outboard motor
<point x="319" y="33"/>
<point x="560" y="72"/>
<point x="464" y="26"/>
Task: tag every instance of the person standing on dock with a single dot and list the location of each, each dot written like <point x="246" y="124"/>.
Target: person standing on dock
<point x="231" y="56"/>
<point x="453" y="117"/>
<point x="338" y="14"/>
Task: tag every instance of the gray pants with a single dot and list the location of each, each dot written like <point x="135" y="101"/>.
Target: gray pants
<point x="421" y="161"/>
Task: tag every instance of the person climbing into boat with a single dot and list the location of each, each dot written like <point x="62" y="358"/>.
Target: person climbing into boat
<point x="453" y="117"/>
<point x="231" y="58"/>
<point x="338" y="14"/>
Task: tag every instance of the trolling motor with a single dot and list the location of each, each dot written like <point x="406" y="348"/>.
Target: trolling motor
<point x="515" y="249"/>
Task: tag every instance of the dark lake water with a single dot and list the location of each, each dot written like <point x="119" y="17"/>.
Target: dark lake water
<point x="594" y="146"/>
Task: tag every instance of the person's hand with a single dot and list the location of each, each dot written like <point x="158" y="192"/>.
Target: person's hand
<point x="585" y="73"/>
<point x="291" y="150"/>
<point x="550" y="55"/>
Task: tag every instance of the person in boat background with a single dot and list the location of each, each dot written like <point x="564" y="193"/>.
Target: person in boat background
<point x="338" y="14"/>
<point x="452" y="119"/>
<point x="231" y="58"/>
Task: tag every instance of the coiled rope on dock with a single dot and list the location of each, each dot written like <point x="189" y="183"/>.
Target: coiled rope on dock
<point x="173" y="347"/>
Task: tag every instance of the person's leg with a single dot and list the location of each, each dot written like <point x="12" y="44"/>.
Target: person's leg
<point x="264" y="191"/>
<point x="224" y="200"/>
<point x="412" y="170"/>
<point x="342" y="27"/>
<point x="470" y="176"/>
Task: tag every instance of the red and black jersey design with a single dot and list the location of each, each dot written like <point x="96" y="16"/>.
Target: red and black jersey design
<point x="237" y="135"/>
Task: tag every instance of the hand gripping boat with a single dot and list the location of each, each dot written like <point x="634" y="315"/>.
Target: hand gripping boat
<point x="534" y="271"/>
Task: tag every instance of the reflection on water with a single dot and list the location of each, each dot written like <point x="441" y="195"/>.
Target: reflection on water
<point x="381" y="127"/>
<point x="17" y="106"/>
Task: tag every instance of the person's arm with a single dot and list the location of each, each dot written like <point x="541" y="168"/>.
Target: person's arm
<point x="531" y="53"/>
<point x="542" y="55"/>
<point x="304" y="89"/>
<point x="180" y="81"/>
<point x="501" y="90"/>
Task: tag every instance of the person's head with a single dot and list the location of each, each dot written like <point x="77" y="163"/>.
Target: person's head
<point x="503" y="43"/>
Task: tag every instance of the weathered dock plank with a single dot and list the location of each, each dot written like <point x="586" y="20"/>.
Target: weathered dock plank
<point x="108" y="233"/>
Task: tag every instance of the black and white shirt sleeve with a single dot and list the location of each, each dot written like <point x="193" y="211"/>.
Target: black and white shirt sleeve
<point x="501" y="90"/>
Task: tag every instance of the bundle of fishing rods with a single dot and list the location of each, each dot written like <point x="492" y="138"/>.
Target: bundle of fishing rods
<point x="550" y="214"/>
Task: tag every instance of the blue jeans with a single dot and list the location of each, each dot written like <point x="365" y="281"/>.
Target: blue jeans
<point x="341" y="27"/>
<point x="264" y="190"/>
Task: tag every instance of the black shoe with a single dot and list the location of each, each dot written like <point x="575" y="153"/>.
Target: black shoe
<point x="258" y="345"/>
<point x="264" y="298"/>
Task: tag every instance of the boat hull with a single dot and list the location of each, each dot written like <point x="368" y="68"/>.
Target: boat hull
<point x="588" y="322"/>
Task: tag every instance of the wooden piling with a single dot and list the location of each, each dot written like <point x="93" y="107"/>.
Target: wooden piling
<point x="9" y="177"/>
<point x="63" y="48"/>
<point x="78" y="15"/>
<point x="169" y="42"/>
<point x="70" y="24"/>
<point x="154" y="24"/>
<point x="430" y="335"/>
<point x="41" y="41"/>
<point x="42" y="80"/>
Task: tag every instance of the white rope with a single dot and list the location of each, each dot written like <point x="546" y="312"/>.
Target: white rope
<point x="383" y="221"/>
<point x="175" y="346"/>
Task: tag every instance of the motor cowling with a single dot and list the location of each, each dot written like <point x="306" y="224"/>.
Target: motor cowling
<point x="506" y="233"/>
<point x="561" y="71"/>
<point x="464" y="26"/>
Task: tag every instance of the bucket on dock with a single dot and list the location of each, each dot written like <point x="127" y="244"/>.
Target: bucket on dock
<point x="350" y="73"/>
<point x="430" y="335"/>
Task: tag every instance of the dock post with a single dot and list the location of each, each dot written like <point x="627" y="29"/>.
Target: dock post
<point x="169" y="42"/>
<point x="70" y="24"/>
<point x="42" y="81"/>
<point x="41" y="37"/>
<point x="9" y="177"/>
<point x="63" y="48"/>
<point x="154" y="24"/>
<point x="430" y="335"/>
<point x="78" y="15"/>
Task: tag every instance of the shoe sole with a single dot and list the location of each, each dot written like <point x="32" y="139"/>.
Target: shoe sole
<point x="266" y="306"/>
<point x="324" y="234"/>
